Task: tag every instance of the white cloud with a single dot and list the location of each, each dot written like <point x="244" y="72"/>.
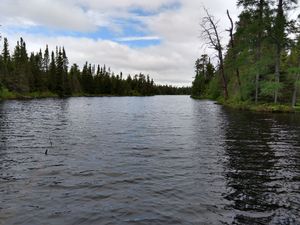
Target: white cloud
<point x="144" y="38"/>
<point x="124" y="4"/>
<point x="178" y="28"/>
<point x="54" y="13"/>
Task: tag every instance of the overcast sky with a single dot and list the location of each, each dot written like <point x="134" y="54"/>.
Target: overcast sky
<point x="157" y="37"/>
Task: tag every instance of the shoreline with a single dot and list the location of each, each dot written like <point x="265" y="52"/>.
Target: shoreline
<point x="43" y="95"/>
<point x="251" y="106"/>
<point x="242" y="105"/>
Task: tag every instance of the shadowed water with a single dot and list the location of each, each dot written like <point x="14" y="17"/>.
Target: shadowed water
<point x="152" y="160"/>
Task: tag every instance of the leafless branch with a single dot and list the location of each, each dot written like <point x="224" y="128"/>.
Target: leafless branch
<point x="211" y="33"/>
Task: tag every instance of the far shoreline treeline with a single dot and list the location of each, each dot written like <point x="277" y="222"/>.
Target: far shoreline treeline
<point x="47" y="74"/>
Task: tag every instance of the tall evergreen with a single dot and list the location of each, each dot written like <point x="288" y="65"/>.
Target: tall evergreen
<point x="5" y="51"/>
<point x="259" y="47"/>
<point x="46" y="60"/>
<point x="279" y="36"/>
<point x="251" y="35"/>
<point x="5" y="65"/>
<point x="20" y="81"/>
<point x="60" y="69"/>
<point x="52" y="74"/>
<point x="294" y="64"/>
<point x="74" y="77"/>
<point x="87" y="79"/>
<point x="43" y="72"/>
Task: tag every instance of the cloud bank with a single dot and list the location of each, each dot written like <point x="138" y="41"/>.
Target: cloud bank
<point x="157" y="37"/>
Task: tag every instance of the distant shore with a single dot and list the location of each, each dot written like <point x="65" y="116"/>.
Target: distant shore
<point x="40" y="95"/>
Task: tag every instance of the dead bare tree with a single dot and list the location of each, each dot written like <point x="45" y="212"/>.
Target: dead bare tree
<point x="230" y="30"/>
<point x="211" y="33"/>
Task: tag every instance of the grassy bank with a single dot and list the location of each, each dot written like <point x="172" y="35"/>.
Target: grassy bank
<point x="8" y="95"/>
<point x="250" y="106"/>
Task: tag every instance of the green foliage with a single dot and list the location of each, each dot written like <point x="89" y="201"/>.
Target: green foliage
<point x="297" y="108"/>
<point x="294" y="70"/>
<point x="6" y="94"/>
<point x="262" y="107"/>
<point x="37" y="94"/>
<point x="198" y="87"/>
<point x="204" y="74"/>
<point x="271" y="108"/>
<point x="262" y="62"/>
<point x="48" y="74"/>
<point x="268" y="88"/>
<point x="214" y="90"/>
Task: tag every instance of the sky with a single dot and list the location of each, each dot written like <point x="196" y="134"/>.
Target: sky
<point x="161" y="38"/>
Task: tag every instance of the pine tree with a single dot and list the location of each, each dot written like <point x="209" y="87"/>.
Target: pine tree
<point x="46" y="60"/>
<point x="52" y="74"/>
<point x="251" y="35"/>
<point x="5" y="51"/>
<point x="21" y="70"/>
<point x="36" y="78"/>
<point x="41" y="72"/>
<point x="204" y="73"/>
<point x="294" y="70"/>
<point x="5" y="69"/>
<point x="279" y="36"/>
<point x="87" y="79"/>
<point x="74" y="78"/>
<point x="59" y="85"/>
<point x="66" y="83"/>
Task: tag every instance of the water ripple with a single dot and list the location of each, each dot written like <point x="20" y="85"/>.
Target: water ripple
<point x="157" y="160"/>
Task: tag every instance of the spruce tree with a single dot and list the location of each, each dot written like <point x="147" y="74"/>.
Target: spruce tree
<point x="279" y="35"/>
<point x="5" y="64"/>
<point x="52" y="74"/>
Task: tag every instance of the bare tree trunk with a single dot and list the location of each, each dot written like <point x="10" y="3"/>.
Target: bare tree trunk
<point x="256" y="87"/>
<point x="210" y="31"/>
<point x="232" y="46"/>
<point x="224" y="81"/>
<point x="257" y="77"/>
<point x="294" y="100"/>
<point x="277" y="73"/>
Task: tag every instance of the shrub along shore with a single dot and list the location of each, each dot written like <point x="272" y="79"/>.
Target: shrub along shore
<point x="7" y="95"/>
<point x="251" y="106"/>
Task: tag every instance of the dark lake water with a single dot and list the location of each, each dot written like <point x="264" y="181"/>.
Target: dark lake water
<point x="153" y="160"/>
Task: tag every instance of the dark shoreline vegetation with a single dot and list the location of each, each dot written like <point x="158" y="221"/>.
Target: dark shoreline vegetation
<point x="46" y="74"/>
<point x="259" y="69"/>
<point x="251" y="106"/>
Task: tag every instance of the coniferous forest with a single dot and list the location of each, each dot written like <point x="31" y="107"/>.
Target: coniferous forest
<point x="261" y="62"/>
<point x="46" y="74"/>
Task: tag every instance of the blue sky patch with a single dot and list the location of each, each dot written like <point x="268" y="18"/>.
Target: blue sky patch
<point x="128" y="28"/>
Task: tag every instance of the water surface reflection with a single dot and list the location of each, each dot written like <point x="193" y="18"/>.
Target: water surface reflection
<point x="262" y="170"/>
<point x="157" y="160"/>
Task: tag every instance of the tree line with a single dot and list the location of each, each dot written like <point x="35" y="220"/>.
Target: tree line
<point x="261" y="62"/>
<point x="49" y="72"/>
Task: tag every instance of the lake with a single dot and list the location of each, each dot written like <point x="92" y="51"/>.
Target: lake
<point x="146" y="160"/>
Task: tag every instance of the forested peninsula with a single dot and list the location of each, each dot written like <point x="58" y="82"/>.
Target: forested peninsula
<point x="47" y="74"/>
<point x="259" y="68"/>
